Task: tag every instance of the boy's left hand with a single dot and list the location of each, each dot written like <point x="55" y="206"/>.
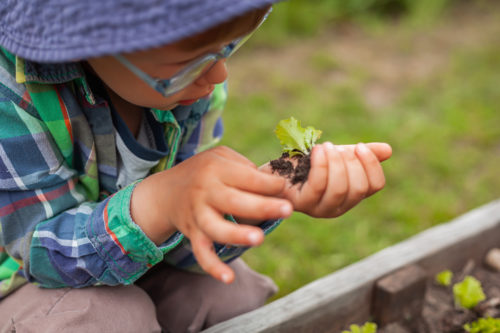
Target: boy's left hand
<point x="340" y="177"/>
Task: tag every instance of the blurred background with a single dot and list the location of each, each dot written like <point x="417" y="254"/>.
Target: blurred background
<point x="422" y="75"/>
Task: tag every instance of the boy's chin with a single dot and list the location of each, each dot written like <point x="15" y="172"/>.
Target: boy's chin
<point x="160" y="106"/>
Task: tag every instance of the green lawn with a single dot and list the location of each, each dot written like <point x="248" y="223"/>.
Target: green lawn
<point x="443" y="125"/>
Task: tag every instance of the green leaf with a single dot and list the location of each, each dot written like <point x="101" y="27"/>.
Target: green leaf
<point x="368" y="327"/>
<point x="468" y="293"/>
<point x="483" y="325"/>
<point x="355" y="329"/>
<point x="444" y="278"/>
<point x="294" y="138"/>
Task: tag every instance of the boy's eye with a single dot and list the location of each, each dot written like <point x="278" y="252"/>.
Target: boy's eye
<point x="167" y="70"/>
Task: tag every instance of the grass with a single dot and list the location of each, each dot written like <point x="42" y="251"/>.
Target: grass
<point x="445" y="134"/>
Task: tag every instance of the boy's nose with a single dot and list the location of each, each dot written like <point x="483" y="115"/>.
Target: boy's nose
<point x="216" y="74"/>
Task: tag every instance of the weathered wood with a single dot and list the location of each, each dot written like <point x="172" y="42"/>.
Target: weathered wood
<point x="395" y="328"/>
<point x="331" y="303"/>
<point x="400" y="295"/>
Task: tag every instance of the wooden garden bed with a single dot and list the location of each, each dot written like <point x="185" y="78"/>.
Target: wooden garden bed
<point x="331" y="303"/>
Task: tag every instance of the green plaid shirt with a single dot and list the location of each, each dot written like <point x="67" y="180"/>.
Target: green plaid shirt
<point x="63" y="220"/>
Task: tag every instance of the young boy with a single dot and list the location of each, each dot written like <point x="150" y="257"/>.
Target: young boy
<point x="112" y="197"/>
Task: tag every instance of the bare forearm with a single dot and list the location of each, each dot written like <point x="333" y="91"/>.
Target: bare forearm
<point x="144" y="211"/>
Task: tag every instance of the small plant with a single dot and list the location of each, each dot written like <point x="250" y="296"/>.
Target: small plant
<point x="444" y="278"/>
<point x="297" y="143"/>
<point x="368" y="327"/>
<point x="483" y="325"/>
<point x="294" y="138"/>
<point x="468" y="293"/>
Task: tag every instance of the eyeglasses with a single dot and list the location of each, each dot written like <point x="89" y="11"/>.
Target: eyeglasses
<point x="192" y="71"/>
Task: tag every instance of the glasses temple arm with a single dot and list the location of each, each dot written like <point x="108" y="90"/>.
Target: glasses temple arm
<point x="154" y="83"/>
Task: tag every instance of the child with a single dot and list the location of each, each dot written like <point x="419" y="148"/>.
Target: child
<point x="112" y="197"/>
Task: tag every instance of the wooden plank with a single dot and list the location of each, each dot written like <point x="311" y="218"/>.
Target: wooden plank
<point x="400" y="295"/>
<point x="331" y="303"/>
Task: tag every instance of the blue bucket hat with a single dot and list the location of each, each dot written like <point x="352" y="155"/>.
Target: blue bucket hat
<point x="68" y="30"/>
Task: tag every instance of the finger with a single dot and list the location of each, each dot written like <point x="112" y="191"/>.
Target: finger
<point x="204" y="253"/>
<point x="232" y="155"/>
<point x="266" y="168"/>
<point x="337" y="187"/>
<point x="318" y="174"/>
<point x="249" y="205"/>
<point x="218" y="229"/>
<point x="382" y="150"/>
<point x="312" y="190"/>
<point x="358" y="182"/>
<point x="252" y="180"/>
<point x="373" y="169"/>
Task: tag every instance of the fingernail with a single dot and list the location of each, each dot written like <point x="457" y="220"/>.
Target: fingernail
<point x="254" y="238"/>
<point x="329" y="146"/>
<point x="340" y="148"/>
<point x="286" y="210"/>
<point x="225" y="278"/>
<point x="362" y="148"/>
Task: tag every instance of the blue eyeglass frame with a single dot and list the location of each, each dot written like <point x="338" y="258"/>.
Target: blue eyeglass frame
<point x="192" y="71"/>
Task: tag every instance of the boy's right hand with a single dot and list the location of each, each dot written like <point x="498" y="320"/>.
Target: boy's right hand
<point x="193" y="197"/>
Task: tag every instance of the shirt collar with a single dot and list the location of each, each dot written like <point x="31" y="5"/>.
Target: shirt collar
<point x="57" y="73"/>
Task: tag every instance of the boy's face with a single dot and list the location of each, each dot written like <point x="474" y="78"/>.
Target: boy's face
<point x="161" y="63"/>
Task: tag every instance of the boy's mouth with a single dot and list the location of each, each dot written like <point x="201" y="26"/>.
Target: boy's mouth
<point x="187" y="101"/>
<point x="192" y="101"/>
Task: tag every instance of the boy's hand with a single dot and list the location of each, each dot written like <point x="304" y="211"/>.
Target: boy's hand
<point x="193" y="197"/>
<point x="340" y="177"/>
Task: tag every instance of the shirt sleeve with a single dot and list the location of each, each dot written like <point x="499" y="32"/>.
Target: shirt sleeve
<point x="48" y="224"/>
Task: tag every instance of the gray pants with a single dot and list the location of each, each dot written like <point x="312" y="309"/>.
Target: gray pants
<point x="165" y="298"/>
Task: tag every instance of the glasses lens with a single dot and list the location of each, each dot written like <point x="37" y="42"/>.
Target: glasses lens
<point x="189" y="75"/>
<point x="238" y="43"/>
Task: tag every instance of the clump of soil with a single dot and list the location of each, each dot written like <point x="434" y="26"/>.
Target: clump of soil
<point x="295" y="168"/>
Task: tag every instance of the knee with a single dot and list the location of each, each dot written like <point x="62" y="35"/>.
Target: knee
<point x="189" y="302"/>
<point x="248" y="292"/>
<point x="122" y="309"/>
<point x="104" y="309"/>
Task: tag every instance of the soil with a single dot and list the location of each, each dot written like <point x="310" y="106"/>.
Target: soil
<point x="440" y="315"/>
<point x="295" y="168"/>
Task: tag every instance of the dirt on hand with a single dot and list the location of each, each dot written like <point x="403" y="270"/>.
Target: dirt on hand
<point x="295" y="168"/>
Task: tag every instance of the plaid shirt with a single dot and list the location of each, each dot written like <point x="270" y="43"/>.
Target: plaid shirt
<point x="58" y="165"/>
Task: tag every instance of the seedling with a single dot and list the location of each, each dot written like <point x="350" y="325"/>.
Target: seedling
<point x="297" y="143"/>
<point x="468" y="293"/>
<point x="368" y="327"/>
<point x="444" y="278"/>
<point x="483" y="325"/>
<point x="294" y="138"/>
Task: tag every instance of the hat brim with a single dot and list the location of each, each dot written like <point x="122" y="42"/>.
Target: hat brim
<point x="75" y="30"/>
